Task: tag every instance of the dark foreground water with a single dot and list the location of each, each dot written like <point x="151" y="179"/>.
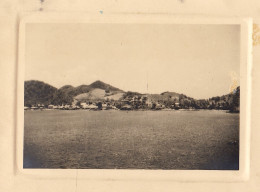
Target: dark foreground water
<point x="206" y="140"/>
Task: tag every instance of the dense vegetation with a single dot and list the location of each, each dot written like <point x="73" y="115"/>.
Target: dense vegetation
<point x="36" y="92"/>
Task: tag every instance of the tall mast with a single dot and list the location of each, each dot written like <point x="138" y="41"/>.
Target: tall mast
<point x="147" y="81"/>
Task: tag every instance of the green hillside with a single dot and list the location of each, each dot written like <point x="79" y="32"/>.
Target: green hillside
<point x="37" y="92"/>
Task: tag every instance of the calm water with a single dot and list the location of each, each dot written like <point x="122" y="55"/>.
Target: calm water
<point x="131" y="140"/>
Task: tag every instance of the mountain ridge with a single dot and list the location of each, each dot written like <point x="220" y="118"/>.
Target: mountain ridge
<point x="36" y="92"/>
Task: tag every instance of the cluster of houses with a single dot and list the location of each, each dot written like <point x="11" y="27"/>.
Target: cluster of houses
<point x="136" y="101"/>
<point x="145" y="102"/>
<point x="128" y="103"/>
<point x="82" y="105"/>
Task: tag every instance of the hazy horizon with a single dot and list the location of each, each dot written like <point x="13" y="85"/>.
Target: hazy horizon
<point x="200" y="61"/>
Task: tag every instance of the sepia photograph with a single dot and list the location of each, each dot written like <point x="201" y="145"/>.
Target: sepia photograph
<point x="153" y="96"/>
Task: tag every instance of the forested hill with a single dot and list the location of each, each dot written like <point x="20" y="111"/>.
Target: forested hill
<point x="37" y="92"/>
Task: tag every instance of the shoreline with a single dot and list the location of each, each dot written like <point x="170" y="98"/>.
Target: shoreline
<point x="191" y="110"/>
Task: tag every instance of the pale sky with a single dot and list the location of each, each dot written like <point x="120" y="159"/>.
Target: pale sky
<point x="200" y="61"/>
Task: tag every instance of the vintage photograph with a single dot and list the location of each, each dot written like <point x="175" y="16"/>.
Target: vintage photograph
<point x="132" y="96"/>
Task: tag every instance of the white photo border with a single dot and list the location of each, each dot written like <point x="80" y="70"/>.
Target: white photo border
<point x="136" y="175"/>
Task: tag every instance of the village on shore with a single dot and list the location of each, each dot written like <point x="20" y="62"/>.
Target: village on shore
<point x="134" y="103"/>
<point x="102" y="96"/>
